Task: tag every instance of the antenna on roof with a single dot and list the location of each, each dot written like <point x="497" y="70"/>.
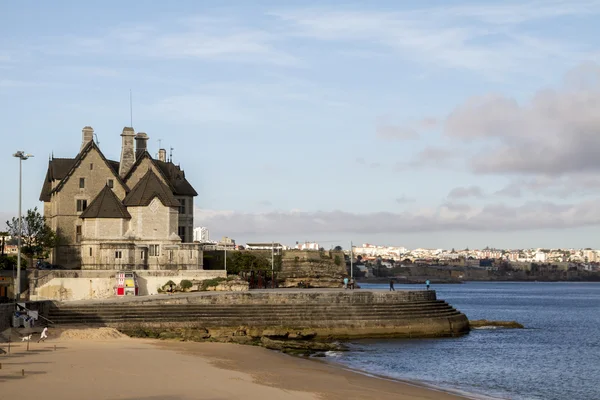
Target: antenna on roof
<point x="171" y="155"/>
<point x="130" y="108"/>
<point x="97" y="141"/>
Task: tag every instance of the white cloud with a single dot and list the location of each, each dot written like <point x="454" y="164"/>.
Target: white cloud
<point x="559" y="187"/>
<point x="404" y="199"/>
<point x="448" y="217"/>
<point x="557" y="132"/>
<point x="214" y="39"/>
<point x="485" y="38"/>
<point x="465" y="191"/>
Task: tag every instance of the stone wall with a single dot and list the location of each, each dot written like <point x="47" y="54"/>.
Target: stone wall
<point x="303" y="297"/>
<point x="6" y="311"/>
<point x="320" y="314"/>
<point x="316" y="268"/>
<point x="98" y="284"/>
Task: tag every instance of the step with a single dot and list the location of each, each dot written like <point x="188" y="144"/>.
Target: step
<point x="273" y="320"/>
<point x="234" y="313"/>
<point x="249" y="308"/>
<point x="243" y="312"/>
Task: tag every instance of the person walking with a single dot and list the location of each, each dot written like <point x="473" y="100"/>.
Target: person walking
<point x="43" y="335"/>
<point x="392" y="286"/>
<point x="427" y="283"/>
<point x="346" y="283"/>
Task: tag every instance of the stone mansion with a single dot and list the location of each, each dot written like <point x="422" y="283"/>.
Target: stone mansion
<point x="135" y="213"/>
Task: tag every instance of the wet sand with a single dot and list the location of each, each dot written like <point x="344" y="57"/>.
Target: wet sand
<point x="130" y="369"/>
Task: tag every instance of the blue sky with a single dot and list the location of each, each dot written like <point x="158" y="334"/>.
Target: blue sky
<point x="424" y="124"/>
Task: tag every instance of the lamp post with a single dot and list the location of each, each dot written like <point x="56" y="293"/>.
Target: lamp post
<point x="351" y="262"/>
<point x="21" y="155"/>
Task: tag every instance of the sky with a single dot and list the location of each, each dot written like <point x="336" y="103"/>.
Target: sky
<point x="435" y="124"/>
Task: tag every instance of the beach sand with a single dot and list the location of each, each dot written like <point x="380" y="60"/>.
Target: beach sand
<point x="113" y="367"/>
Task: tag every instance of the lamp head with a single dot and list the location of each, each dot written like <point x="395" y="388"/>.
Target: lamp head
<point x="22" y="155"/>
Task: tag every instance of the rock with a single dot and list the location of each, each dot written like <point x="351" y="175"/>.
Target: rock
<point x="299" y="346"/>
<point x="275" y="333"/>
<point x="302" y="335"/>
<point x="483" y="323"/>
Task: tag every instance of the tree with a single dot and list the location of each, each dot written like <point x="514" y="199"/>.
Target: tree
<point x="247" y="261"/>
<point x="3" y="236"/>
<point x="338" y="248"/>
<point x="36" y="235"/>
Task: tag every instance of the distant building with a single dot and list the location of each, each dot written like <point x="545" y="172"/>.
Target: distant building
<point x="201" y="234"/>
<point x="308" y="246"/>
<point x="264" y="246"/>
<point x="226" y="243"/>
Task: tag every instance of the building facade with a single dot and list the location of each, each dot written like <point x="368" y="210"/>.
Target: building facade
<point x="135" y="213"/>
<point x="201" y="234"/>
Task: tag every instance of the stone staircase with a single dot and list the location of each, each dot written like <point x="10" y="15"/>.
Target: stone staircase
<point x="415" y="318"/>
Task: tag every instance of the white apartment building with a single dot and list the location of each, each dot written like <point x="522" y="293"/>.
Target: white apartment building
<point x="308" y="246"/>
<point x="201" y="234"/>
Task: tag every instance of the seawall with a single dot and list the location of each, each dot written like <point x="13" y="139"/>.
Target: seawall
<point x="70" y="285"/>
<point x="315" y="314"/>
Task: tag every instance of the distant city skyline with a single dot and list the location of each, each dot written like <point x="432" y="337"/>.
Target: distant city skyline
<point x="422" y="124"/>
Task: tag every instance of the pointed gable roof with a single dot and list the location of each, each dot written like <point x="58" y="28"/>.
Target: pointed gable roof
<point x="171" y="173"/>
<point x="146" y="189"/>
<point x="58" y="168"/>
<point x="77" y="160"/>
<point x="106" y="205"/>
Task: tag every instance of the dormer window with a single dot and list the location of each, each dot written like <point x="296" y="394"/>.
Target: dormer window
<point x="81" y="183"/>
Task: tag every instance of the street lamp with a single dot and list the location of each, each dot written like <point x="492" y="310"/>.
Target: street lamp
<point x="21" y="156"/>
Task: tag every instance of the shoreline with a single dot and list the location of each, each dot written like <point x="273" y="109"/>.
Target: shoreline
<point x="392" y="388"/>
<point x="129" y="368"/>
<point x="414" y="383"/>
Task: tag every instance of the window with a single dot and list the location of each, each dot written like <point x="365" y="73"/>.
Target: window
<point x="78" y="233"/>
<point x="91" y="166"/>
<point x="90" y="251"/>
<point x="181" y="233"/>
<point x="142" y="254"/>
<point x="111" y="183"/>
<point x="81" y="205"/>
<point x="191" y="254"/>
<point x="81" y="183"/>
<point x="154" y="250"/>
<point x="181" y="206"/>
<point x="118" y="254"/>
<point x="170" y="255"/>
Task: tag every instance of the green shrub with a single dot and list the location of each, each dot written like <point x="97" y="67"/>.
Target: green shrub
<point x="185" y="284"/>
<point x="211" y="282"/>
<point x="337" y="261"/>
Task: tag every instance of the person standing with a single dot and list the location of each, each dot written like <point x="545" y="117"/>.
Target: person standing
<point x="392" y="286"/>
<point x="427" y="284"/>
<point x="346" y="283"/>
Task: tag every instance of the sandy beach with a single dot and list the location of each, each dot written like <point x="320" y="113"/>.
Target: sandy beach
<point x="89" y="367"/>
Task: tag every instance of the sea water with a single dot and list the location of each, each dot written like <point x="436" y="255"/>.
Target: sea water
<point x="557" y="356"/>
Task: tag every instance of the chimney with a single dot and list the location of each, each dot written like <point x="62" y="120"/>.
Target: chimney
<point x="87" y="135"/>
<point x="162" y="155"/>
<point x="141" y="140"/>
<point x="127" y="152"/>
